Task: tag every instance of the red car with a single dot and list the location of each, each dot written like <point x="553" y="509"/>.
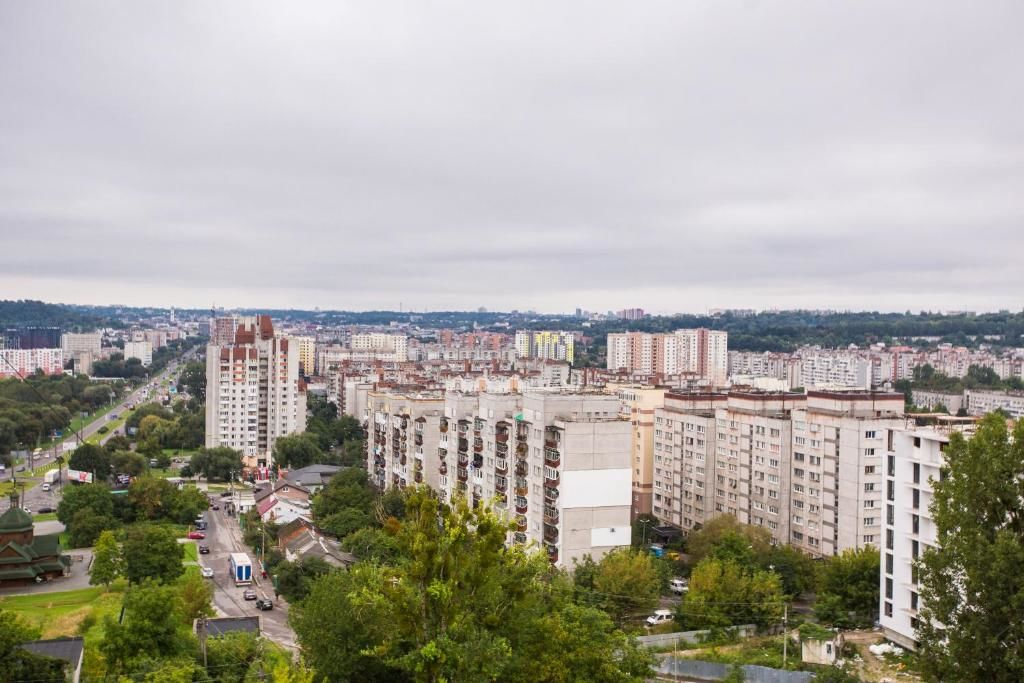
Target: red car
<point x="196" y="535"/>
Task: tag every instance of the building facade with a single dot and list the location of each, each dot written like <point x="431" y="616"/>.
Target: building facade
<point x="554" y="345"/>
<point x="24" y="362"/>
<point x="143" y="350"/>
<point x="253" y="392"/>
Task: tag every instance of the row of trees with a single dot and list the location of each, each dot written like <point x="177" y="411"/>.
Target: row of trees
<point x="328" y="439"/>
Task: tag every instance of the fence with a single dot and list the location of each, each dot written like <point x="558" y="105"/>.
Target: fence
<point x="690" y="669"/>
<point x="692" y="637"/>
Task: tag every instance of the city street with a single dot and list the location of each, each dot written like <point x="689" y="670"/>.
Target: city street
<point x="224" y="537"/>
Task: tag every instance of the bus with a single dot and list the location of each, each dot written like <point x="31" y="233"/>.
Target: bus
<point x="241" y="569"/>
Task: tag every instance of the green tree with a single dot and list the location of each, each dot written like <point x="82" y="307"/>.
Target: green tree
<point x="150" y="628"/>
<point x="152" y="552"/>
<point x="230" y="657"/>
<point x="91" y="458"/>
<point x="723" y="593"/>
<point x="195" y="597"/>
<point x="297" y="450"/>
<point x="295" y="578"/>
<point x="371" y="545"/>
<point x="349" y="488"/>
<point x="18" y="664"/>
<point x="108" y="561"/>
<point x="972" y="587"/>
<point x="852" y="578"/>
<point x="795" y="569"/>
<point x="726" y="538"/>
<point x="345" y="522"/>
<point x="626" y="583"/>
<point x="95" y="497"/>
<point x="86" y="526"/>
<point x="216" y="464"/>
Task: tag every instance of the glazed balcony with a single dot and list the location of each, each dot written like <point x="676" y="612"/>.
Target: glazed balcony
<point x="551" y="477"/>
<point x="550" y="515"/>
<point x="418" y="477"/>
<point x="501" y="436"/>
<point x="402" y="459"/>
<point x="500" y="500"/>
<point x="550" y="533"/>
<point x="552" y="457"/>
<point x="522" y="449"/>
<point x="522" y="469"/>
<point x="418" y="439"/>
<point x="520" y="523"/>
<point x="463" y="428"/>
<point x="442" y="453"/>
<point x="443" y="468"/>
<point x="501" y="465"/>
<point x="463" y="474"/>
<point x="521" y="506"/>
<point x="443" y="426"/>
<point x="523" y="431"/>
<point x="501" y="484"/>
<point x="522" y="487"/>
<point x="463" y="446"/>
<point x="519" y="537"/>
<point x="550" y="443"/>
<point x="418" y="427"/>
<point x="478" y="424"/>
<point x="463" y="459"/>
<point x="478" y="445"/>
<point x="553" y="554"/>
<point x="460" y="486"/>
<point x="550" y="494"/>
<point x="478" y="461"/>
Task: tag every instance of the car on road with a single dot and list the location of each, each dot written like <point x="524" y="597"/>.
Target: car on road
<point x="46" y="487"/>
<point x="204" y="550"/>
<point x="196" y="535"/>
<point x="224" y="494"/>
<point x="660" y="616"/>
<point x="207" y="572"/>
<point x="264" y="604"/>
<point x="45" y="509"/>
<point x="679" y="586"/>
<point x="216" y="507"/>
<point x="249" y="594"/>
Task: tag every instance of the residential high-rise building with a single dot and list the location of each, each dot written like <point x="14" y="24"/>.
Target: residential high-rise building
<point x="33" y="338"/>
<point x="307" y="355"/>
<point x="557" y="463"/>
<point x="915" y="462"/>
<point x="89" y="342"/>
<point x="639" y="404"/>
<point x="253" y="392"/>
<point x="222" y="330"/>
<point x="402" y="447"/>
<point x="24" y="362"/>
<point x="142" y="350"/>
<point x="555" y="345"/>
<point x="700" y="353"/>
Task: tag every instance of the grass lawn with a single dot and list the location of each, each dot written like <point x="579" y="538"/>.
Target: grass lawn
<point x="65" y="540"/>
<point x="45" y="517"/>
<point x="42" y="469"/>
<point x="191" y="552"/>
<point x="111" y="426"/>
<point x="63" y="614"/>
<point x="28" y="482"/>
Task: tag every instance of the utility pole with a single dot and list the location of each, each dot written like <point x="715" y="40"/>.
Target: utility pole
<point x="785" y="632"/>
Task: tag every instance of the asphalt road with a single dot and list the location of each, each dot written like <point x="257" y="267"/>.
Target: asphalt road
<point x="224" y="537"/>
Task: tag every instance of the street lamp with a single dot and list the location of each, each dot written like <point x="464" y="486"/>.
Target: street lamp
<point x="643" y="526"/>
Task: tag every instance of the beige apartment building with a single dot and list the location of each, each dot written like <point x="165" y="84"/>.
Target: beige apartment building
<point x="805" y="467"/>
<point x="699" y="353"/>
<point x="555" y="462"/>
<point x="638" y="405"/>
<point x="404" y="437"/>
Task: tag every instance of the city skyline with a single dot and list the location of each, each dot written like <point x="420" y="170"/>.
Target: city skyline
<point x="675" y="157"/>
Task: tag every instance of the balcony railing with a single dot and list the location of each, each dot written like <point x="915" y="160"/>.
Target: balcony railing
<point x="553" y="553"/>
<point x="519" y="537"/>
<point x="521" y="523"/>
<point x="550" y="476"/>
<point x="550" y="494"/>
<point x="550" y="533"/>
<point x="444" y="426"/>
<point x="463" y="474"/>
<point x="552" y="457"/>
<point x="521" y="507"/>
<point x="550" y="443"/>
<point x="501" y="437"/>
<point x="463" y="458"/>
<point x="550" y="515"/>
<point x="501" y="484"/>
<point x="501" y="465"/>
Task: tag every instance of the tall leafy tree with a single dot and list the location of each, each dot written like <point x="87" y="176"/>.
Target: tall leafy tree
<point x="848" y="587"/>
<point x="625" y="582"/>
<point x="152" y="552"/>
<point x="724" y="593"/>
<point x="297" y="450"/>
<point x="972" y="586"/>
<point x="108" y="560"/>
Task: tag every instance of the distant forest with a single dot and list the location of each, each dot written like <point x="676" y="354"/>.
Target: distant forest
<point x="27" y="313"/>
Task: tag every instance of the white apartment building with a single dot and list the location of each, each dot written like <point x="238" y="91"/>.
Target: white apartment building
<point x="832" y="370"/>
<point x="87" y="342"/>
<point x="253" y="392"/>
<point x="930" y="399"/>
<point x="24" y="362"/>
<point x="403" y="439"/>
<point x="980" y="402"/>
<point x="909" y="528"/>
<point x="555" y="462"/>
<point x="143" y="350"/>
<point x="555" y="345"/>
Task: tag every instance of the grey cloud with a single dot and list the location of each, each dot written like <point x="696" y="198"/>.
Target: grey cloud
<point x="668" y="155"/>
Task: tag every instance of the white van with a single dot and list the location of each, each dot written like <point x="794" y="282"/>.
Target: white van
<point x="661" y="616"/>
<point x="46" y="487"/>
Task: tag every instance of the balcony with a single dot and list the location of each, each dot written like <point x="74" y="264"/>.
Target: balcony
<point x="418" y="477"/>
<point x="501" y="436"/>
<point x="501" y="449"/>
<point x="501" y="465"/>
<point x="460" y="486"/>
<point x="522" y="469"/>
<point x="501" y="484"/>
<point x="552" y="457"/>
<point x="418" y="428"/>
<point x="521" y="506"/>
<point x="463" y="474"/>
<point x="550" y="494"/>
<point x="522" y="450"/>
<point x="478" y="445"/>
<point x="443" y="469"/>
<point x="442" y="453"/>
<point x="463" y="446"/>
<point x="519" y="537"/>
<point x="551" y="477"/>
<point x="478" y="461"/>
<point x="401" y="458"/>
<point x="418" y="453"/>
<point x="463" y="458"/>
<point x="500" y="500"/>
<point x="418" y="439"/>
<point x="522" y="488"/>
<point x="550" y="534"/>
<point x="463" y="428"/>
<point x="520" y="523"/>
<point x="444" y="426"/>
<point x="552" y="553"/>
<point x="523" y="431"/>
<point x="550" y="515"/>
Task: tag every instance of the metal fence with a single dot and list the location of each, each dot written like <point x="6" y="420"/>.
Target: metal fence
<point x="692" y="669"/>
<point x="691" y="637"/>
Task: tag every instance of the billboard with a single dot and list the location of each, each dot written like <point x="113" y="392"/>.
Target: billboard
<point x="79" y="476"/>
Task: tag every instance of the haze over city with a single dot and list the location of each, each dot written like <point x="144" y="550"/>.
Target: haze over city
<point x="675" y="156"/>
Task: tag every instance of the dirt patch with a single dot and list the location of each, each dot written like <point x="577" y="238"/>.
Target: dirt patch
<point x="65" y="624"/>
<point x="870" y="668"/>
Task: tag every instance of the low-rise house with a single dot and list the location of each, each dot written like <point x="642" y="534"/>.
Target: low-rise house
<point x="314" y="477"/>
<point x="219" y="626"/>
<point x="25" y="557"/>
<point x="283" y="502"/>
<point x="299" y="539"/>
<point x="71" y="650"/>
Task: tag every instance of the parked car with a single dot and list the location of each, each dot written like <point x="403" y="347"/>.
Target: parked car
<point x="216" y="507"/>
<point x="249" y="594"/>
<point x="204" y="550"/>
<point x="679" y="586"/>
<point x="46" y="487"/>
<point x="660" y="616"/>
<point x="225" y="494"/>
<point x="196" y="535"/>
<point x="43" y="510"/>
<point x="264" y="604"/>
<point x="207" y="572"/>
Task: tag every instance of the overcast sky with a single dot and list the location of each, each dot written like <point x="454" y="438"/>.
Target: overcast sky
<point x="672" y="155"/>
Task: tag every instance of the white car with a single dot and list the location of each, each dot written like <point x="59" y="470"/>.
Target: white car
<point x="679" y="586"/>
<point x="661" y="616"/>
<point x="207" y="572"/>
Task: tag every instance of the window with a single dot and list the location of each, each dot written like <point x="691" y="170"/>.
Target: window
<point x="888" y="563"/>
<point x="913" y="600"/>
<point x="869" y="435"/>
<point x="917" y="473"/>
<point x="870" y="469"/>
<point x="890" y="490"/>
<point x="889" y="538"/>
<point x="916" y="498"/>
<point x="892" y="465"/>
<point x="888" y="588"/>
<point x="869" y="451"/>
<point x="888" y="609"/>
